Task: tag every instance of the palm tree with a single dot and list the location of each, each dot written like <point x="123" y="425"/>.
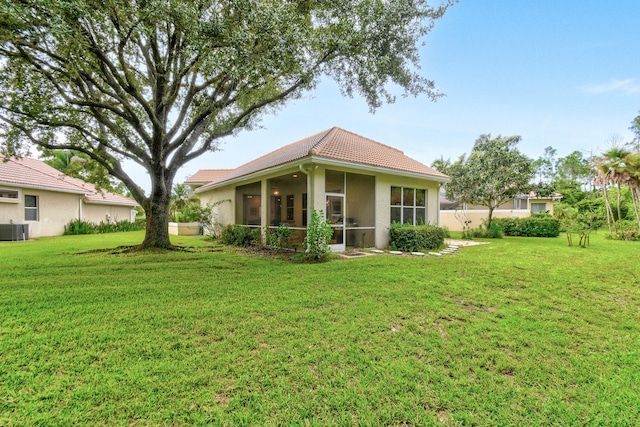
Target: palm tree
<point x="620" y="167"/>
<point x="181" y="198"/>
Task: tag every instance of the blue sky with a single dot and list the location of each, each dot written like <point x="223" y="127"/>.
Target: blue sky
<point x="563" y="73"/>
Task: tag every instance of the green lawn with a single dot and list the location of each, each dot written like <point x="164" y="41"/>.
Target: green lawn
<point x="523" y="331"/>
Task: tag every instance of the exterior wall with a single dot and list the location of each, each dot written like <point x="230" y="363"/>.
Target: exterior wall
<point x="476" y="216"/>
<point x="98" y="212"/>
<point x="383" y="202"/>
<point x="56" y="209"/>
<point x="225" y="212"/>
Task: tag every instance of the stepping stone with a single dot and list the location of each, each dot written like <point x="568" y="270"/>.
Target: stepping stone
<point x="418" y="253"/>
<point x="435" y="253"/>
<point x="377" y="251"/>
<point x="395" y="252"/>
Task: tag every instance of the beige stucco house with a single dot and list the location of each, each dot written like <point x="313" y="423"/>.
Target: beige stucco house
<point x="40" y="196"/>
<point x="453" y="215"/>
<point x="361" y="186"/>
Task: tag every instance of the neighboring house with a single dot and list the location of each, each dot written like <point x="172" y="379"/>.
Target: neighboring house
<point x="453" y="215"/>
<point x="205" y="176"/>
<point x="36" y="194"/>
<point x="361" y="185"/>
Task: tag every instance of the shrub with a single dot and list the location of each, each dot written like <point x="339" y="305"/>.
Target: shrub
<point x="411" y="238"/>
<point x="537" y="225"/>
<point x="78" y="227"/>
<point x="279" y="238"/>
<point x="316" y="242"/>
<point x="482" y="232"/>
<point x="239" y="235"/>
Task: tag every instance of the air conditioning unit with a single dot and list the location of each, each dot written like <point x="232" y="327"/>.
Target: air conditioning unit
<point x="14" y="232"/>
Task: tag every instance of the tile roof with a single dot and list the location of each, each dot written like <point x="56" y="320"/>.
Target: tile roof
<point x="336" y="144"/>
<point x="205" y="176"/>
<point x="37" y="174"/>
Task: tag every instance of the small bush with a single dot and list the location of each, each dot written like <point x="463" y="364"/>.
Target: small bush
<point x="316" y="242"/>
<point x="78" y="227"/>
<point x="239" y="235"/>
<point x="630" y="235"/>
<point x="412" y="238"/>
<point x="537" y="225"/>
<point x="279" y="238"/>
<point x="482" y="232"/>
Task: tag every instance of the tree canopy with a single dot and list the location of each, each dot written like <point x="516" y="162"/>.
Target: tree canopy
<point x="160" y="82"/>
<point x="494" y="173"/>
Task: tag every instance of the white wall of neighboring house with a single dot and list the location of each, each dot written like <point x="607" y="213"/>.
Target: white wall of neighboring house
<point x="56" y="209"/>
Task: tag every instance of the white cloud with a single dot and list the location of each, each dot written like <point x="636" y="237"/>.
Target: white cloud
<point x="627" y="86"/>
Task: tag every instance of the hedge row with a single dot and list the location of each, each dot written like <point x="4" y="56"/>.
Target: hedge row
<point x="537" y="225"/>
<point x="411" y="238"/>
<point x="78" y="227"/>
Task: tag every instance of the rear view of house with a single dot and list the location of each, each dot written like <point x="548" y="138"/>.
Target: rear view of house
<point x="361" y="185"/>
<point x="44" y="200"/>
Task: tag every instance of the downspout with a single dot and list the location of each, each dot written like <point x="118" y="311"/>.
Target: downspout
<point x="80" y="208"/>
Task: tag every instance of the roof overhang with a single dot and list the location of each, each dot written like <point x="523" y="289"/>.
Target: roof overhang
<point x="107" y="202"/>
<point x="42" y="187"/>
<point x="317" y="160"/>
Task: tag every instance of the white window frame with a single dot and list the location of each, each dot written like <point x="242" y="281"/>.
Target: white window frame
<point x="413" y="207"/>
<point x="537" y="205"/>
<point x="517" y="203"/>
<point x="10" y="199"/>
<point x="35" y="208"/>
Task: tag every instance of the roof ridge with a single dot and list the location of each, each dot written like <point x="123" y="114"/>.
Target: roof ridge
<point x="315" y="149"/>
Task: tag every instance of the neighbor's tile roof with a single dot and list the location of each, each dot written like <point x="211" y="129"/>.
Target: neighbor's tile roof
<point x="36" y="173"/>
<point x="205" y="176"/>
<point x="336" y="144"/>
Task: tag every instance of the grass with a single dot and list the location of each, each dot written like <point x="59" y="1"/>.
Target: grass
<point x="524" y="331"/>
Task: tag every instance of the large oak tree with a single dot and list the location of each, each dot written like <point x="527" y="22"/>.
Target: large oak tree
<point x="159" y="82"/>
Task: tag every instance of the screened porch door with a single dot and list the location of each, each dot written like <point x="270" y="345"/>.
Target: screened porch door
<point x="335" y="217"/>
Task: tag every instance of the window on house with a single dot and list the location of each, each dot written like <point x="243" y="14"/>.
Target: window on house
<point x="409" y="205"/>
<point x="8" y="194"/>
<point x="538" y="207"/>
<point x="290" y="207"/>
<point x="520" y="203"/>
<point x="30" y="208"/>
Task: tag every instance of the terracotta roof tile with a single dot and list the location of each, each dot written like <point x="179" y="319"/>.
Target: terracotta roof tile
<point x="205" y="176"/>
<point x="336" y="144"/>
<point x="36" y="173"/>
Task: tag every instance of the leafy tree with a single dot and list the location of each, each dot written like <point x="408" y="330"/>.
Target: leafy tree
<point x="79" y="165"/>
<point x="635" y="128"/>
<point x="572" y="170"/>
<point x="544" y="166"/>
<point x="494" y="173"/>
<point x="159" y="82"/>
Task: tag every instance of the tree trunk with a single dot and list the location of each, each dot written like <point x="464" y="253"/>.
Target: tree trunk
<point x="607" y="207"/>
<point x="157" y="209"/>
<point x="490" y="219"/>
